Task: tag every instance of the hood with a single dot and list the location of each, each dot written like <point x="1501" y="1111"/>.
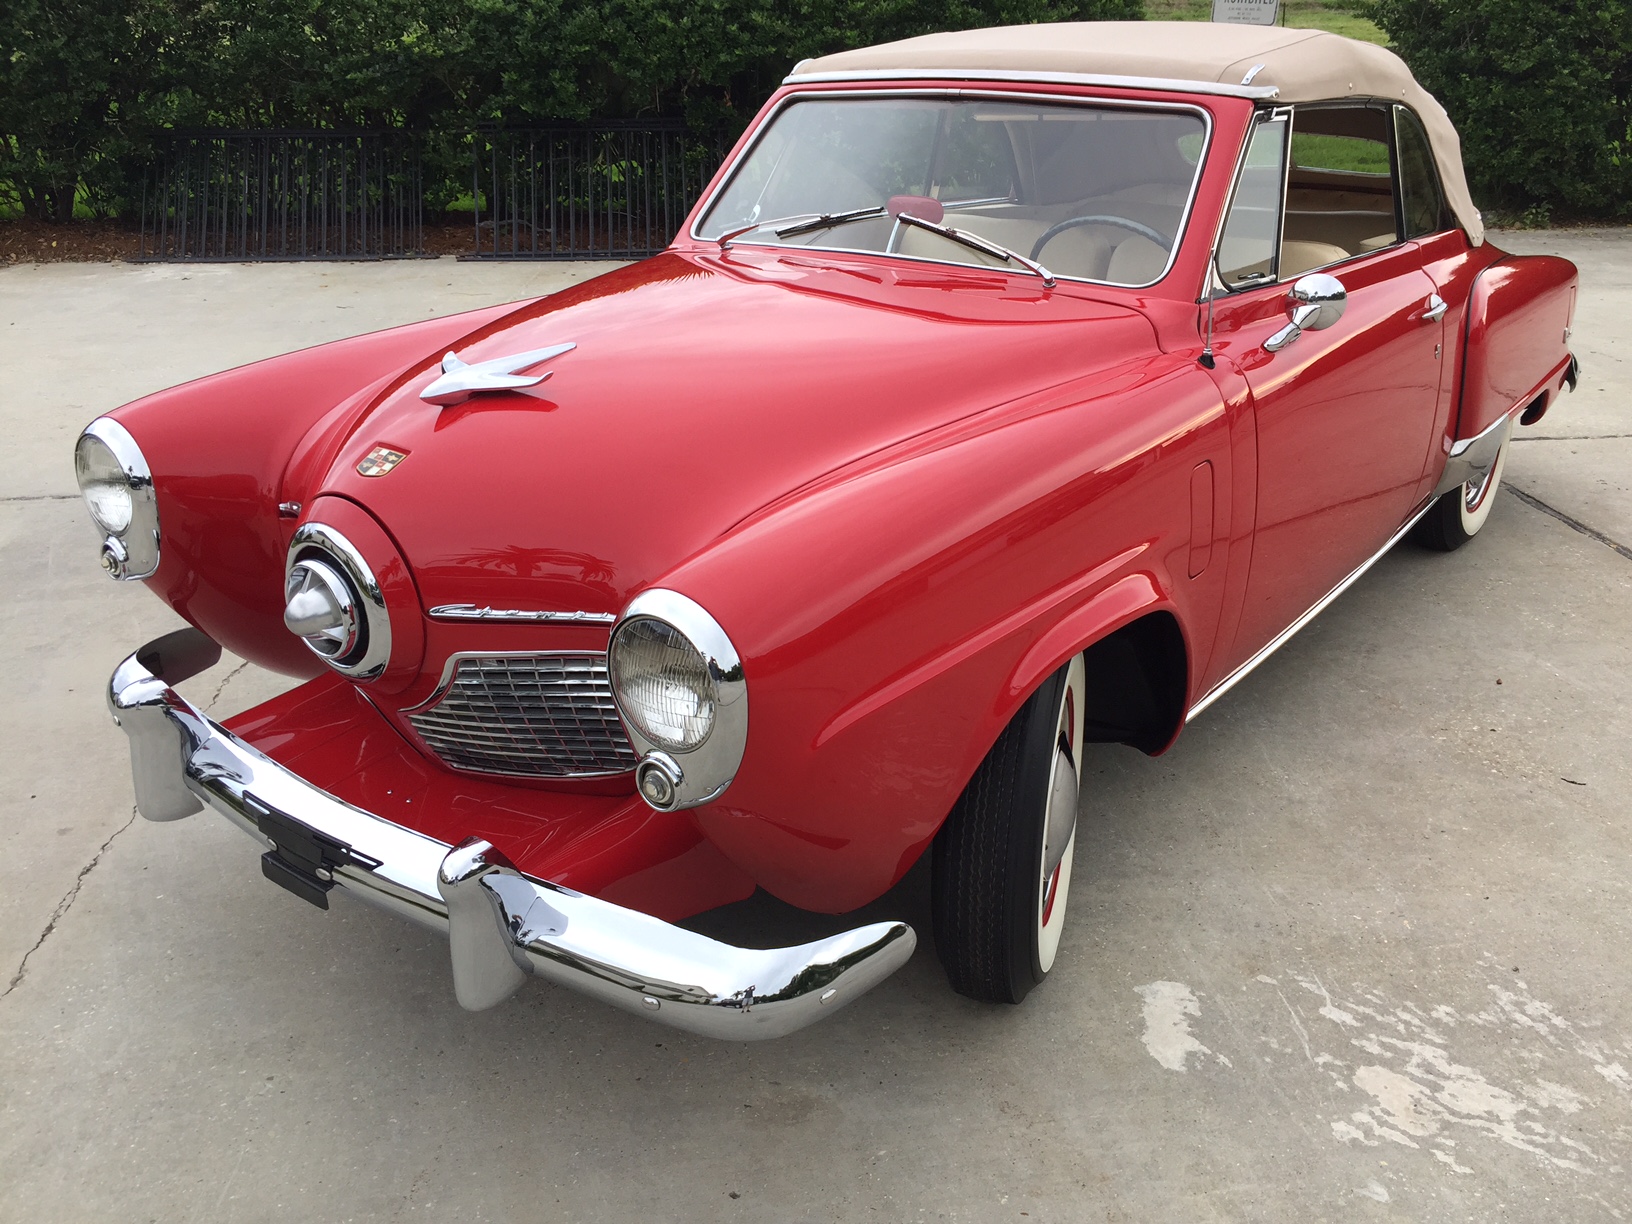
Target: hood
<point x="701" y="388"/>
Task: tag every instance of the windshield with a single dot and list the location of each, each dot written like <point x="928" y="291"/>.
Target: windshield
<point x="1095" y="192"/>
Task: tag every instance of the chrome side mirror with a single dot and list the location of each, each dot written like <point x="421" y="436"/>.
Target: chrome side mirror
<point x="1314" y="303"/>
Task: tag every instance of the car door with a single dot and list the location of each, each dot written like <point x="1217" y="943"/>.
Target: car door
<point x="1343" y="413"/>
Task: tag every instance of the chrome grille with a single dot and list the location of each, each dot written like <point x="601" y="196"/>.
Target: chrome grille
<point x="536" y="716"/>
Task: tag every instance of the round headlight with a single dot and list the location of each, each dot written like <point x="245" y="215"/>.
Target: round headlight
<point x="117" y="486"/>
<point x="678" y="683"/>
<point x="102" y="483"/>
<point x="663" y="684"/>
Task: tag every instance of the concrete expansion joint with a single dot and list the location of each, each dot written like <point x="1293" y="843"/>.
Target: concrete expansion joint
<point x="225" y="680"/>
<point x="63" y="906"/>
<point x="1576" y="524"/>
<point x="1572" y="437"/>
<point x="40" y="497"/>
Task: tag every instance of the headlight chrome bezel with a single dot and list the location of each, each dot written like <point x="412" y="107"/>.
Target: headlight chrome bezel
<point x="684" y="778"/>
<point x="131" y="552"/>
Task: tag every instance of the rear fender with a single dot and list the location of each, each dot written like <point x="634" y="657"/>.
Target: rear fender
<point x="1518" y="332"/>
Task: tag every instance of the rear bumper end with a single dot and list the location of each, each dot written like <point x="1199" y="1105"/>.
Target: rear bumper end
<point x="502" y="925"/>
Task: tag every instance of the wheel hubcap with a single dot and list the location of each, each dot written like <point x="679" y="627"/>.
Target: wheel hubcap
<point x="1060" y="820"/>
<point x="1474" y="491"/>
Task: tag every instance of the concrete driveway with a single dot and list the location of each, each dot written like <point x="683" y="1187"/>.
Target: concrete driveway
<point x="1356" y="949"/>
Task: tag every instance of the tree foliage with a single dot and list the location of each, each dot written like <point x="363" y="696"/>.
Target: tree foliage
<point x="1540" y="92"/>
<point x="86" y="85"/>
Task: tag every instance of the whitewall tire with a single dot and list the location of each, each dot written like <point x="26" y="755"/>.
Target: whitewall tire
<point x="1001" y="875"/>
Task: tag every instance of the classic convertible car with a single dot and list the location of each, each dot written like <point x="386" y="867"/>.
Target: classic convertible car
<point x="1007" y="391"/>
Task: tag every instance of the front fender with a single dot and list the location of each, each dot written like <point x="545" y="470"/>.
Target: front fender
<point x="892" y="619"/>
<point x="220" y="449"/>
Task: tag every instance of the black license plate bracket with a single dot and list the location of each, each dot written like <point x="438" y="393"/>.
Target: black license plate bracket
<point x="302" y="860"/>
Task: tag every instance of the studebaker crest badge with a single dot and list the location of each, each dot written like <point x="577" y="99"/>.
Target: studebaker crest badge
<point x="379" y="461"/>
<point x="460" y="380"/>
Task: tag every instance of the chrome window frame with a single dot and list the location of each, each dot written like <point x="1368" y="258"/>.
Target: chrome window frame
<point x="920" y="91"/>
<point x="1396" y="108"/>
<point x="1260" y="116"/>
<point x="1292" y="110"/>
<point x="1097" y="80"/>
<point x="1397" y="198"/>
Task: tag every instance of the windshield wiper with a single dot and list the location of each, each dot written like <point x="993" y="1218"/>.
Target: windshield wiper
<point x="976" y="243"/>
<point x="819" y="221"/>
<point x="829" y="220"/>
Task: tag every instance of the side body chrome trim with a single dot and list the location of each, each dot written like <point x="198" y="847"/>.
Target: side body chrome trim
<point x="729" y="171"/>
<point x="502" y="924"/>
<point x="470" y="612"/>
<point x="1023" y="77"/>
<point x="1286" y="635"/>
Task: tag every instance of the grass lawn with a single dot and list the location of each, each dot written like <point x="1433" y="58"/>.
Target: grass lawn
<point x="1331" y="15"/>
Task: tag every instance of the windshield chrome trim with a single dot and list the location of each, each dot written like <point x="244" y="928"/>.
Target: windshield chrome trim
<point x="1024" y="77"/>
<point x="730" y="170"/>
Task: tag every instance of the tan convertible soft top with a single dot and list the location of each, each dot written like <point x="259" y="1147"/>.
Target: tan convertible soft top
<point x="1297" y="65"/>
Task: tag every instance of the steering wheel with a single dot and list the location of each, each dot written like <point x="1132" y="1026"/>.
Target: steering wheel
<point x="1137" y="227"/>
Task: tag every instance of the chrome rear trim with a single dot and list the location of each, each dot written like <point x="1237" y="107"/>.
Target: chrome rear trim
<point x="1471" y="459"/>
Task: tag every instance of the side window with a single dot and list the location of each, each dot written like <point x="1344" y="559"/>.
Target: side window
<point x="1250" y="242"/>
<point x="1422" y="203"/>
<point x="1340" y="187"/>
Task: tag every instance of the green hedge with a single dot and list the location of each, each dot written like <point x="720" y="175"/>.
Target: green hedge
<point x="87" y="85"/>
<point x="1540" y="91"/>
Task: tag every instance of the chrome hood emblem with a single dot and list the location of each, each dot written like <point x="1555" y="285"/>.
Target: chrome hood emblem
<point x="460" y="380"/>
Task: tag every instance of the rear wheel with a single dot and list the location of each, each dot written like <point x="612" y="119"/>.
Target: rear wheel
<point x="1002" y="862"/>
<point x="1458" y="515"/>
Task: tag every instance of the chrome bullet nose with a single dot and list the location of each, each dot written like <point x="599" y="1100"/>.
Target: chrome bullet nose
<point x="321" y="609"/>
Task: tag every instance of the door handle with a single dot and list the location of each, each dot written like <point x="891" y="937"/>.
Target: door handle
<point x="1437" y="307"/>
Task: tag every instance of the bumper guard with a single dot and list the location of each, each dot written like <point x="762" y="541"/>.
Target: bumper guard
<point x="502" y="925"/>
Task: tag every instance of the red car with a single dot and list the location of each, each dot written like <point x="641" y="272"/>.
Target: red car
<point x="1007" y="390"/>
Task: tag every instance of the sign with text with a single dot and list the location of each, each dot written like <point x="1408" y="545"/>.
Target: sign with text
<point x="1247" y="12"/>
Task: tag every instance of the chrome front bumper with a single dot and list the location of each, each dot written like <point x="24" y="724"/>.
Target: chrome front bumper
<point x="501" y="924"/>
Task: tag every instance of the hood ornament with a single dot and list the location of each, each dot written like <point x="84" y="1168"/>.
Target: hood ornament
<point x="460" y="380"/>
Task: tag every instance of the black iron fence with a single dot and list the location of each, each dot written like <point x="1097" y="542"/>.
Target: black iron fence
<point x="600" y="191"/>
<point x="609" y="190"/>
<point x="276" y="195"/>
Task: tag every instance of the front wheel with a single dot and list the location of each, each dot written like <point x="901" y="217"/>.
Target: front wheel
<point x="1457" y="516"/>
<point x="1001" y="871"/>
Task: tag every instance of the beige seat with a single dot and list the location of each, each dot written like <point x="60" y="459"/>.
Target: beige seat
<point x="1136" y="261"/>
<point x="1300" y="257"/>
